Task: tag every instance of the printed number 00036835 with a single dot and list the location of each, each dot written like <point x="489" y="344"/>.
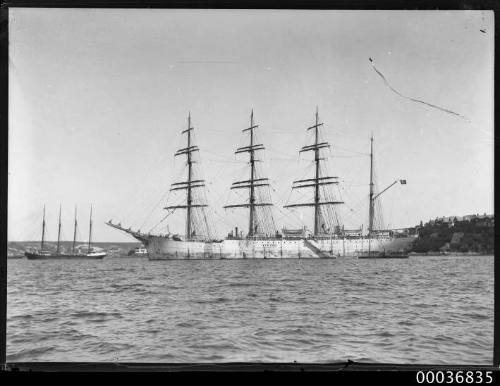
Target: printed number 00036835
<point x="461" y="376"/>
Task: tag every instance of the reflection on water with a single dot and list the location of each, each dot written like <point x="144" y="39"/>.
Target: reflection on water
<point x="418" y="310"/>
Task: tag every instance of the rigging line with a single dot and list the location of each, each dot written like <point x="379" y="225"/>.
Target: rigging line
<point x="163" y="219"/>
<point x="300" y="195"/>
<point x="144" y="195"/>
<point x="347" y="156"/>
<point x="150" y="169"/>
<point x="341" y="133"/>
<point x="289" y="214"/>
<point x="281" y="159"/>
<point x="170" y="211"/>
<point x="139" y="208"/>
<point x="272" y="149"/>
<point x="208" y="160"/>
<point x="218" y="216"/>
<point x="148" y="216"/>
<point x="217" y="202"/>
<point x="34" y="229"/>
<point x="218" y="155"/>
<point x="361" y="203"/>
<point x="294" y="212"/>
<point x="352" y="183"/>
<point x="413" y="99"/>
<point x="224" y="132"/>
<point x="352" y="193"/>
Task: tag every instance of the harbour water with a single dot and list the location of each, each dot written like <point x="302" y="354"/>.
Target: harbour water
<point x="425" y="309"/>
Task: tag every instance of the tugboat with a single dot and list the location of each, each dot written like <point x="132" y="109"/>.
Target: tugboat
<point x="76" y="253"/>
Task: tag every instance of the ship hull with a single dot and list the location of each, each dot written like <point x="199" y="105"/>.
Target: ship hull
<point x="163" y="248"/>
<point x="36" y="256"/>
<point x="392" y="256"/>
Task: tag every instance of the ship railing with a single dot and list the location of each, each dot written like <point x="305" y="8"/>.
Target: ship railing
<point x="324" y="236"/>
<point x="264" y="237"/>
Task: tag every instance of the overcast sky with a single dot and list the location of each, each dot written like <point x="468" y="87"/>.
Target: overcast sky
<point x="98" y="99"/>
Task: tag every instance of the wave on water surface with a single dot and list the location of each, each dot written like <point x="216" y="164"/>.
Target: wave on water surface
<point x="261" y="311"/>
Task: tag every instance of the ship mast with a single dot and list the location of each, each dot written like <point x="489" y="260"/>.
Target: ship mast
<point x="373" y="196"/>
<point x="251" y="228"/>
<point x="371" y="209"/>
<point x="74" y="234"/>
<point x="253" y="182"/>
<point x="190" y="183"/>
<point x="190" y="177"/>
<point x="318" y="180"/>
<point x="43" y="230"/>
<point x="59" y="233"/>
<point x="90" y="228"/>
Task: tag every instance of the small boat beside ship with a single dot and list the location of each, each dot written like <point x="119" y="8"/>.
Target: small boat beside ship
<point x="138" y="251"/>
<point x="77" y="252"/>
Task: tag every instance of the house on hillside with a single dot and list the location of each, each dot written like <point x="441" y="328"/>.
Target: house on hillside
<point x="486" y="220"/>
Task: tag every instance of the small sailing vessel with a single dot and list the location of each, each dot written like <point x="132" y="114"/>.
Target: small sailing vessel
<point x="76" y="252"/>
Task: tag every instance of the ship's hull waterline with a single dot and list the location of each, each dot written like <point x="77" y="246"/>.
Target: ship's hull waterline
<point x="163" y="248"/>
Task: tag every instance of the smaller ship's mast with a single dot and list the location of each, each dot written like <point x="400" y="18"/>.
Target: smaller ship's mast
<point x="371" y="209"/>
<point x="373" y="197"/>
<point x="251" y="227"/>
<point x="190" y="177"/>
<point x="90" y="228"/>
<point x="74" y="233"/>
<point x="316" y="182"/>
<point x="43" y="230"/>
<point x="59" y="233"/>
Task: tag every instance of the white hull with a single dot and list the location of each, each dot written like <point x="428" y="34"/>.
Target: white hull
<point x="164" y="248"/>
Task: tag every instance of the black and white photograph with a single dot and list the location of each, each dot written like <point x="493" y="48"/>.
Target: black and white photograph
<point x="250" y="185"/>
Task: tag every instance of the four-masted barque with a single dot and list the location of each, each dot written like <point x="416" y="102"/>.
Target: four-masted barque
<point x="328" y="239"/>
<point x="87" y="252"/>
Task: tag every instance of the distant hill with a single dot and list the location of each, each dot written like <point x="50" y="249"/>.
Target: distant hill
<point x="474" y="233"/>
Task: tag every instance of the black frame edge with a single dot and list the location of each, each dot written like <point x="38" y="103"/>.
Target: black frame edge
<point x="4" y="98"/>
<point x="270" y="4"/>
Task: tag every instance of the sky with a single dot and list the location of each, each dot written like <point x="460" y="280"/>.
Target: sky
<point x="98" y="99"/>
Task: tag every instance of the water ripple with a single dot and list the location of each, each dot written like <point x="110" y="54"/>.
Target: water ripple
<point x="421" y="310"/>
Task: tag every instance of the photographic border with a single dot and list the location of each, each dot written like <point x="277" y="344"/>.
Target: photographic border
<point x="348" y="366"/>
